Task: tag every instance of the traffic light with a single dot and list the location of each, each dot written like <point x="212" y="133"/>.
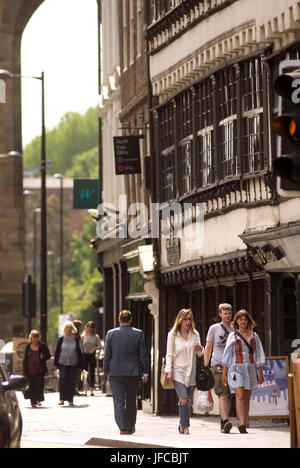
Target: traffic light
<point x="287" y="126"/>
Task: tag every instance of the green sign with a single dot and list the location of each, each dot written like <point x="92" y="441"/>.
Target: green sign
<point x="85" y="194"/>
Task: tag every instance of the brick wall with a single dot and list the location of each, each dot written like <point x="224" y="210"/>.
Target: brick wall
<point x="11" y="246"/>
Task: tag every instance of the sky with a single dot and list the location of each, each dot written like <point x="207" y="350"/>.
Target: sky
<point x="60" y="39"/>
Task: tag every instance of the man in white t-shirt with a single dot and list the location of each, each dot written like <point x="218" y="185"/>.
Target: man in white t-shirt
<point x="214" y="349"/>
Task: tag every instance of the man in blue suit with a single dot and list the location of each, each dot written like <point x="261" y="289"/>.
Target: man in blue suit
<point x="125" y="362"/>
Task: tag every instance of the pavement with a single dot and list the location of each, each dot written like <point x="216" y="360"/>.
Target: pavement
<point x="90" y="423"/>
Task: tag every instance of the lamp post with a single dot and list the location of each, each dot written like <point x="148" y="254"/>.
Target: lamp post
<point x="35" y="213"/>
<point x="61" y="241"/>
<point x="5" y="74"/>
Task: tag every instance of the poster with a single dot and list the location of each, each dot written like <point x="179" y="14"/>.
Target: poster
<point x="18" y="356"/>
<point x="271" y="398"/>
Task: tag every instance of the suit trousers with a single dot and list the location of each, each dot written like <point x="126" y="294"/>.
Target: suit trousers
<point x="124" y="391"/>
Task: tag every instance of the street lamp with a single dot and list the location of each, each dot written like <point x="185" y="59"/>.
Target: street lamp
<point x="61" y="178"/>
<point x="5" y="74"/>
<point x="35" y="213"/>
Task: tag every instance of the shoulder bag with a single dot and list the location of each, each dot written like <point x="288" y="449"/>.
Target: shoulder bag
<point x="246" y="342"/>
<point x="166" y="383"/>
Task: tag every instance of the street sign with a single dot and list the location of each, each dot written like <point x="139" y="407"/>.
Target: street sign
<point x="127" y="155"/>
<point x="85" y="194"/>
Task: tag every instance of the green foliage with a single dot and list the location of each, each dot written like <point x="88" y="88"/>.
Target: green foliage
<point x="72" y="146"/>
<point x="82" y="285"/>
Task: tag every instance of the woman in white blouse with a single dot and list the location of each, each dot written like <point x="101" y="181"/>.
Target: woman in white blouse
<point x="182" y="346"/>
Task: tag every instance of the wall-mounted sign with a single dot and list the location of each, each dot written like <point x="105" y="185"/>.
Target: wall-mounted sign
<point x="127" y="155"/>
<point x="85" y="194"/>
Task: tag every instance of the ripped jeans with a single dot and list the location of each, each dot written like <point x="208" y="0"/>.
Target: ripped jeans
<point x="182" y="393"/>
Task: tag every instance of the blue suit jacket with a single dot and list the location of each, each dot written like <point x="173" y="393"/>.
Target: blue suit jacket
<point x="125" y="352"/>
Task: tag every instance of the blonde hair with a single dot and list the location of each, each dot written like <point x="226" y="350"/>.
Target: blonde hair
<point x="67" y="324"/>
<point x="224" y="306"/>
<point x="179" y="319"/>
<point x="34" y="332"/>
<point x="243" y="313"/>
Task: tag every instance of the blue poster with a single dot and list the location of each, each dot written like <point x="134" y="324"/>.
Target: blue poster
<point x="271" y="398"/>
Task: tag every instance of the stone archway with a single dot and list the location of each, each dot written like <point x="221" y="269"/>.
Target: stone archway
<point x="14" y="15"/>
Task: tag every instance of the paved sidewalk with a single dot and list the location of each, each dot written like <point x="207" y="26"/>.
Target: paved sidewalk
<point x="91" y="423"/>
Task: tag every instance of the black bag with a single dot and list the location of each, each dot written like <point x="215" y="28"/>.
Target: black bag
<point x="26" y="393"/>
<point x="204" y="378"/>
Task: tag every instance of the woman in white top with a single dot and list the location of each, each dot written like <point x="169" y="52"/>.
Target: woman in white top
<point x="182" y="346"/>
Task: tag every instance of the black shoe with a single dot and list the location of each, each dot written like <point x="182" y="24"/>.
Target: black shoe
<point x="243" y="429"/>
<point x="226" y="427"/>
<point x="180" y="430"/>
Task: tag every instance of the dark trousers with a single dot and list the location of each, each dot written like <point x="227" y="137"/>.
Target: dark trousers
<point x="36" y="388"/>
<point x="90" y="366"/>
<point x="67" y="382"/>
<point x="124" y="391"/>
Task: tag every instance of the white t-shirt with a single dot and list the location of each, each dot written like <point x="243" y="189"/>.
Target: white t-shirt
<point x="218" y="337"/>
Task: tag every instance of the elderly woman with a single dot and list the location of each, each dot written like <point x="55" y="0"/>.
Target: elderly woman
<point x="182" y="346"/>
<point x="35" y="367"/>
<point x="68" y="359"/>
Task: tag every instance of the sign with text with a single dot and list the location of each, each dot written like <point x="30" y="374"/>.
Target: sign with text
<point x="127" y="155"/>
<point x="271" y="398"/>
<point x="85" y="194"/>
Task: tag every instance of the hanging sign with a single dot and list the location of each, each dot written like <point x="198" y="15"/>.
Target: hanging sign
<point x="85" y="194"/>
<point x="127" y="155"/>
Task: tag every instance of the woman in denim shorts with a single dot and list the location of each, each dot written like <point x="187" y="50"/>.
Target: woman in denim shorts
<point x="182" y="346"/>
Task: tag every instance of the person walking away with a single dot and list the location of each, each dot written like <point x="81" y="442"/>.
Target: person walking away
<point x="243" y="360"/>
<point x="90" y="344"/>
<point x="35" y="367"/>
<point x="183" y="344"/>
<point x="215" y="345"/>
<point x="68" y="359"/>
<point x="125" y="362"/>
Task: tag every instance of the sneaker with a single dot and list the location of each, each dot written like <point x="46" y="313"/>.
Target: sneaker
<point x="227" y="427"/>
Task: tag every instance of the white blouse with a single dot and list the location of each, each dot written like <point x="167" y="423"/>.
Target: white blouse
<point x="181" y="357"/>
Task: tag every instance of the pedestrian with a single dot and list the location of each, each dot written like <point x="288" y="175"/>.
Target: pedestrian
<point x="68" y="359"/>
<point x="90" y="344"/>
<point x="35" y="367"/>
<point x="215" y="345"/>
<point x="79" y="384"/>
<point x="243" y="360"/>
<point x="125" y="362"/>
<point x="183" y="344"/>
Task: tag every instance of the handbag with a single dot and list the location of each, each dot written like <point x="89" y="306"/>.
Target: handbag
<point x="26" y="393"/>
<point x="166" y="383"/>
<point x="204" y="378"/>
